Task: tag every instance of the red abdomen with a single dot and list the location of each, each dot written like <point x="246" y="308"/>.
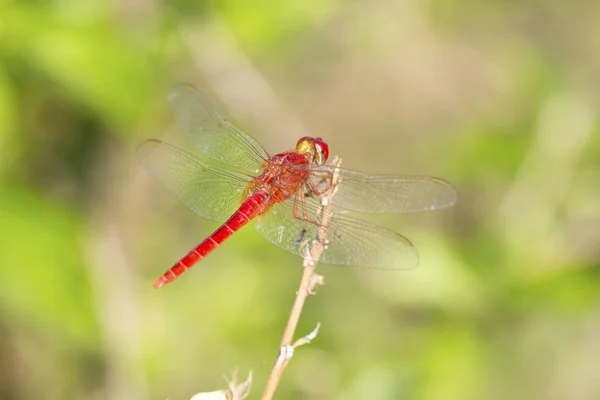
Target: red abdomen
<point x="254" y="206"/>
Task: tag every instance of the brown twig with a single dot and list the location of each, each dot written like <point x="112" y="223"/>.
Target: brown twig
<point x="307" y="284"/>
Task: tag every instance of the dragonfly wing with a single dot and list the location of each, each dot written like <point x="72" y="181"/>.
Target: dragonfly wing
<point x="351" y="242"/>
<point x="374" y="194"/>
<point x="210" y="190"/>
<point x="214" y="136"/>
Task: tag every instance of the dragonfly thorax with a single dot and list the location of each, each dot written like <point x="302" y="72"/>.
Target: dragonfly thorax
<point x="282" y="176"/>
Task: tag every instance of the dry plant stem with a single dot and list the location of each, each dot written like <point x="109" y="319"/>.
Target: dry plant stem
<point x="307" y="284"/>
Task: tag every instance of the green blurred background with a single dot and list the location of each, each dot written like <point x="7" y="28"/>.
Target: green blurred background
<point x="499" y="97"/>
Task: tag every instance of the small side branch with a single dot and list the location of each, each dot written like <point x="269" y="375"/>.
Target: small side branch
<point x="309" y="281"/>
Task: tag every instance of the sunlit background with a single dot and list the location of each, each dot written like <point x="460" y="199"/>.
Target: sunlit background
<point x="498" y="97"/>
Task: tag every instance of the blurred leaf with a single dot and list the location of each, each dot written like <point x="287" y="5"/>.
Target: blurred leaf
<point x="85" y="56"/>
<point x="565" y="290"/>
<point x="268" y="24"/>
<point x="442" y="281"/>
<point x="496" y="152"/>
<point x="452" y="365"/>
<point x="43" y="281"/>
<point x="7" y="117"/>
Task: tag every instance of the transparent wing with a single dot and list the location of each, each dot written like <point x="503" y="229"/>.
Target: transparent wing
<point x="207" y="188"/>
<point x="214" y="136"/>
<point x="351" y="242"/>
<point x="374" y="194"/>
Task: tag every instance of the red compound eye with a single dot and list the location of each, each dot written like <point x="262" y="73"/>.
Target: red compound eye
<point x="322" y="150"/>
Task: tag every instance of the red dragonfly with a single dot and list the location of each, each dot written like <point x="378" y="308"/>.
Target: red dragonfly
<point x="234" y="181"/>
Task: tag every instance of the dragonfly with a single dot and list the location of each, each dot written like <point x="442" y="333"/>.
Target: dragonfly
<point x="233" y="180"/>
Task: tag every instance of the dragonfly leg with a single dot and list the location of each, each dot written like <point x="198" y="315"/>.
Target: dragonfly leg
<point x="313" y="188"/>
<point x="300" y="197"/>
<point x="324" y="179"/>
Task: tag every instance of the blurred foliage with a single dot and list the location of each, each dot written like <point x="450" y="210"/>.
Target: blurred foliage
<point x="498" y="97"/>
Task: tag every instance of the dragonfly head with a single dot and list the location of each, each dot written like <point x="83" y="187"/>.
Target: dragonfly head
<point x="315" y="149"/>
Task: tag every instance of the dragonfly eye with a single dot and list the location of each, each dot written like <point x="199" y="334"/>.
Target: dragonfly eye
<point x="316" y="147"/>
<point x="322" y="150"/>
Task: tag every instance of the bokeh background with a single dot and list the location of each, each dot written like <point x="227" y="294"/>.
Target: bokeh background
<point x="498" y="97"/>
